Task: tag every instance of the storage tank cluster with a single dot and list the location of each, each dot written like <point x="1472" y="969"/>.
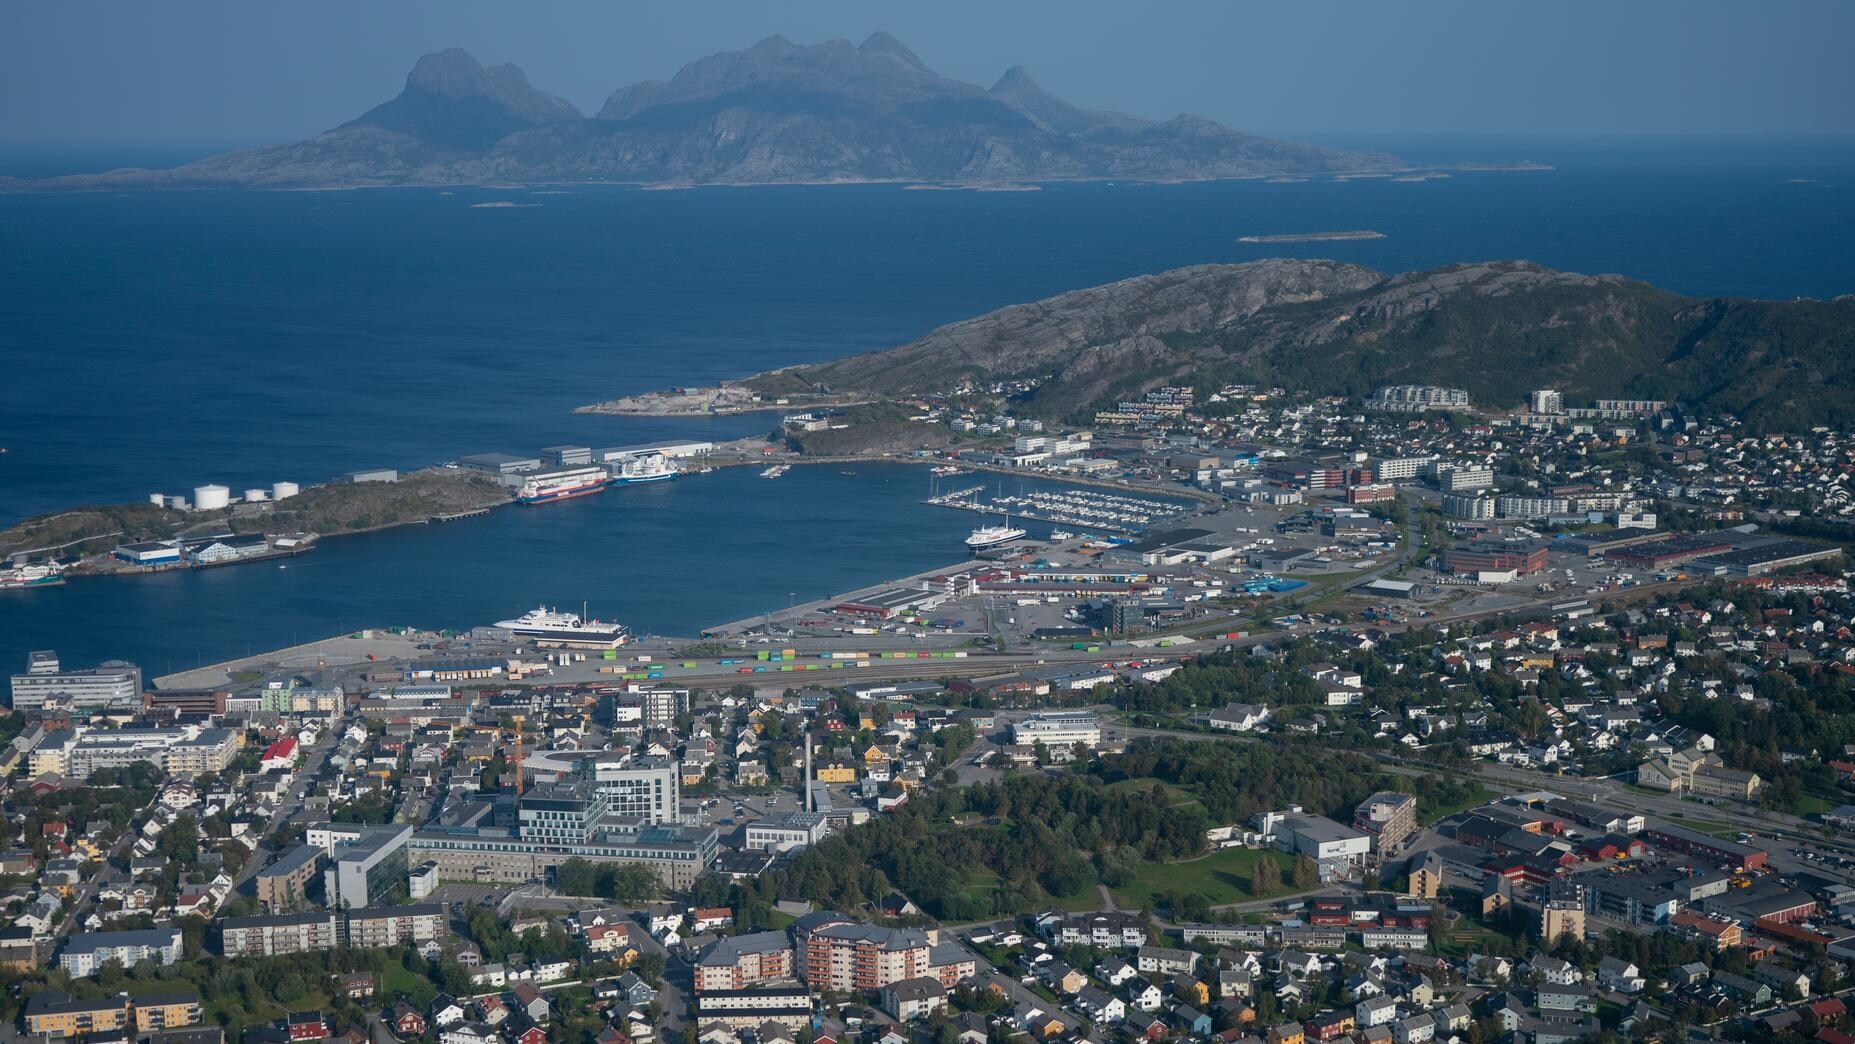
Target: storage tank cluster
<point x="215" y="497"/>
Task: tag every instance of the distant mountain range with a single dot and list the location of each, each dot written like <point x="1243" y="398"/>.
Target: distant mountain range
<point x="776" y="112"/>
<point x="1498" y="329"/>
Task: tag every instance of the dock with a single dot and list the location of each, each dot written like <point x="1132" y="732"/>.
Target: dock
<point x="1081" y="508"/>
<point x="455" y="515"/>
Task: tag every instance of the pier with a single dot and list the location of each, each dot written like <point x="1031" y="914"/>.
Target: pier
<point x="455" y="515"/>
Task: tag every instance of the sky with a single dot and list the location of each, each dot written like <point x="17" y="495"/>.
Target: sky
<point x="212" y="71"/>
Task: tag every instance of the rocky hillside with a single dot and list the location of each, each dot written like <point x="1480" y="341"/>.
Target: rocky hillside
<point x="1497" y="329"/>
<point x="776" y="112"/>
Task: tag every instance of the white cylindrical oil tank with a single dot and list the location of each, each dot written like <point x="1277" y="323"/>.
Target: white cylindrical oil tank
<point x="158" y="499"/>
<point x="283" y="490"/>
<point x="210" y="498"/>
<point x="253" y="496"/>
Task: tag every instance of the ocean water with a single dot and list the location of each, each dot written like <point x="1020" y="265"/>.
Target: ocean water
<point x="160" y="341"/>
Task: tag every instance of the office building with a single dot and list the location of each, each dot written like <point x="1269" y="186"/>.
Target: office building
<point x="784" y="833"/>
<point x="1058" y="728"/>
<point x="114" y="685"/>
<point x="365" y="871"/>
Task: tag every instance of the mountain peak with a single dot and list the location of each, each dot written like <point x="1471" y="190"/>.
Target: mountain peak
<point x="450" y="70"/>
<point x="882" y="44"/>
<point x="452" y="100"/>
<point x="1016" y="78"/>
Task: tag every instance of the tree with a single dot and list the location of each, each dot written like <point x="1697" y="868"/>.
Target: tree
<point x="1306" y="872"/>
<point x="575" y="877"/>
<point x="1266" y="879"/>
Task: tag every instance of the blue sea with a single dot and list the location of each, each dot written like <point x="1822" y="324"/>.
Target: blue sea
<point x="154" y="342"/>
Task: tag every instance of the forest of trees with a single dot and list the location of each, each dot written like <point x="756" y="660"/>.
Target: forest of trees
<point x="1046" y="835"/>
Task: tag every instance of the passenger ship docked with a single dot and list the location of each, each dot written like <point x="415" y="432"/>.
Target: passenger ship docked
<point x="992" y="536"/>
<point x="645" y="467"/>
<point x="30" y="576"/>
<point x="544" y="626"/>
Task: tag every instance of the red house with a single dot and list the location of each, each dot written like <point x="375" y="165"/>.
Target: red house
<point x="307" y="1025"/>
<point x="407" y="1022"/>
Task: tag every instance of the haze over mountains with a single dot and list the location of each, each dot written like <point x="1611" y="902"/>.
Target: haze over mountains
<point x="777" y="112"/>
<point x="1497" y="329"/>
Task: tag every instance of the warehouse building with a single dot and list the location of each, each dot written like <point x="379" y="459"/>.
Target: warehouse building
<point x="1769" y="557"/>
<point x="1495" y="558"/>
<point x="149" y="552"/>
<point x="504" y="466"/>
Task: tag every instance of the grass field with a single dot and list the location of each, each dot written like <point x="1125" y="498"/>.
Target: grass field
<point x="1812" y="805"/>
<point x="1222" y="876"/>
<point x="1180" y="795"/>
<point x="398" y="982"/>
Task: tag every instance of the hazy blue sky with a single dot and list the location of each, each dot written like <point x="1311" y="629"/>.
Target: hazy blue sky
<point x="216" y="71"/>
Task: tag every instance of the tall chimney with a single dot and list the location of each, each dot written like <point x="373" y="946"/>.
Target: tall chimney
<point x="808" y="770"/>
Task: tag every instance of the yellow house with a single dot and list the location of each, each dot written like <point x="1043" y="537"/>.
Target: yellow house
<point x="837" y="772"/>
<point x="874" y="756"/>
<point x="1287" y="1033"/>
<point x="1194" y="993"/>
<point x="866" y="721"/>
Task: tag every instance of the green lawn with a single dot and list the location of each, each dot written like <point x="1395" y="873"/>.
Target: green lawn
<point x="398" y="982"/>
<point x="1224" y="876"/>
<point x="1479" y="796"/>
<point x="1180" y="795"/>
<point x="1811" y="805"/>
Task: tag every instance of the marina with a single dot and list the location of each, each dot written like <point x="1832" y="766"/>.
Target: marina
<point x="1094" y="509"/>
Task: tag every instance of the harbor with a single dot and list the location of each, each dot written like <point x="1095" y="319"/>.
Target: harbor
<point x="1092" y="509"/>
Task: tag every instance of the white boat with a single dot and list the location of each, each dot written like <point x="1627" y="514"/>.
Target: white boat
<point x="642" y="467"/>
<point x="776" y="471"/>
<point x="544" y="626"/>
<point x="30" y="576"/>
<point x="992" y="536"/>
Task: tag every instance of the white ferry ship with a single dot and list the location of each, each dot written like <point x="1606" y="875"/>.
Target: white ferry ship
<point x="992" y="536"/>
<point x="544" y="626"/>
<point x="644" y="467"/>
<point x="30" y="576"/>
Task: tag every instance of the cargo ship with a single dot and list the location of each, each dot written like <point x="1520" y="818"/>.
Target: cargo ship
<point x="562" y="484"/>
<point x="14" y="577"/>
<point x="544" y="626"/>
<point x="645" y="467"/>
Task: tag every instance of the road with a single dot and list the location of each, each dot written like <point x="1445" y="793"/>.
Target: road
<point x="291" y="807"/>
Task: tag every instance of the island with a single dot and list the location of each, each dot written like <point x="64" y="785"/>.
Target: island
<point x="1312" y="237"/>
<point x="827" y="113"/>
